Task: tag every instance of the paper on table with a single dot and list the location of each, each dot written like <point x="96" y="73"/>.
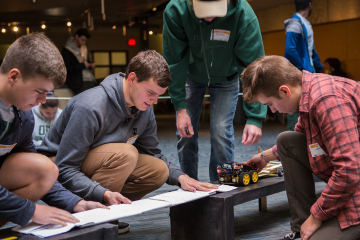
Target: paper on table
<point x="180" y="196"/>
<point x="101" y="215"/>
<point x="43" y="230"/>
<point x="94" y="216"/>
<point x="146" y="205"/>
<point x="225" y="188"/>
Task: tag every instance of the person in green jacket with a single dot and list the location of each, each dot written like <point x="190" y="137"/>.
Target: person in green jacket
<point x="207" y="44"/>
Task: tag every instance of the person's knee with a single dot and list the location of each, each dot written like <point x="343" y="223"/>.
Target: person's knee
<point x="48" y="171"/>
<point x="128" y="153"/>
<point x="283" y="138"/>
<point x="161" y="173"/>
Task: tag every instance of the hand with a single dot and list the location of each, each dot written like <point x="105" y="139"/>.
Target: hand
<point x="251" y="134"/>
<point x="45" y="214"/>
<point x="114" y="198"/>
<point x="190" y="184"/>
<point x="83" y="205"/>
<point x="257" y="161"/>
<point x="309" y="227"/>
<point x="92" y="65"/>
<point x="183" y="121"/>
<point x="87" y="65"/>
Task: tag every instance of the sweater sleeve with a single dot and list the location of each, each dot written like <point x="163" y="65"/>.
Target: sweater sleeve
<point x="61" y="198"/>
<point x="177" y="53"/>
<point x="14" y="208"/>
<point x="78" y="135"/>
<point x="316" y="60"/>
<point x="148" y="144"/>
<point x="248" y="48"/>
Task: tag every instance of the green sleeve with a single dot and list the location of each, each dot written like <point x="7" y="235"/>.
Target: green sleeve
<point x="248" y="48"/>
<point x="176" y="52"/>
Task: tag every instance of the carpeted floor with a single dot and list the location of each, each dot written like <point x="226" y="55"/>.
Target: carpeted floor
<point x="249" y="222"/>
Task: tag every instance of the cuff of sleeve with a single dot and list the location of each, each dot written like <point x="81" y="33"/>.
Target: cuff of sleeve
<point x="254" y="121"/>
<point x="180" y="105"/>
<point x="318" y="213"/>
<point x="98" y="194"/>
<point x="72" y="203"/>
<point x="274" y="150"/>
<point x="174" y="176"/>
<point x="28" y="213"/>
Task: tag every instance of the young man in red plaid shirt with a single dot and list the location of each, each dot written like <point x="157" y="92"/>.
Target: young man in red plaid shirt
<point x="325" y="142"/>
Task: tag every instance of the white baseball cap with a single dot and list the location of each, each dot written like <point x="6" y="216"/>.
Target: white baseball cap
<point x="210" y="8"/>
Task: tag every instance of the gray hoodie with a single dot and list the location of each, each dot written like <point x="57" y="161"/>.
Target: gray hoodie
<point x="95" y="117"/>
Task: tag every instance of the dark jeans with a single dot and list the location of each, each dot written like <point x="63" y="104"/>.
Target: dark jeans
<point x="224" y="98"/>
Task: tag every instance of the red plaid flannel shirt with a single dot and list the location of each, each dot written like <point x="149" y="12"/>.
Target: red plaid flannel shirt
<point x="329" y="112"/>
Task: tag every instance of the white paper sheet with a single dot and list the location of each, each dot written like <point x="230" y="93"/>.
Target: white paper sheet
<point x="100" y="215"/>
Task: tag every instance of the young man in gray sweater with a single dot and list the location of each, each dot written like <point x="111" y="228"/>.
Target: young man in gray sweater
<point x="105" y="139"/>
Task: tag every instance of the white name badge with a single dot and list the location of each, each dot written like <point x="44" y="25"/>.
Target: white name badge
<point x="132" y="140"/>
<point x="316" y="150"/>
<point x="220" y="35"/>
<point x="4" y="149"/>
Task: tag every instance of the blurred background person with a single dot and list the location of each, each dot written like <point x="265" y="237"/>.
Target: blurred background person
<point x="45" y="116"/>
<point x="300" y="48"/>
<point x="333" y="67"/>
<point x="79" y="76"/>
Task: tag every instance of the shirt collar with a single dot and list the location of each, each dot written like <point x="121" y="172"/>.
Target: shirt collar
<point x="305" y="95"/>
<point x="132" y="112"/>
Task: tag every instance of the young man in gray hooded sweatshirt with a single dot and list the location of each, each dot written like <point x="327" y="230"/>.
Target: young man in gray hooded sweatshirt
<point x="105" y="139"/>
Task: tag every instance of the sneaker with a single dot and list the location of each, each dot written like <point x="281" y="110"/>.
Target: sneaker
<point x="290" y="236"/>
<point x="123" y="227"/>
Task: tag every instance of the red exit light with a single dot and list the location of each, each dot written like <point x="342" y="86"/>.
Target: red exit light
<point x="131" y="42"/>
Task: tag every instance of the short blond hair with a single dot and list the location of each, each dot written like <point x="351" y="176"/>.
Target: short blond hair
<point x="35" y="55"/>
<point x="266" y="74"/>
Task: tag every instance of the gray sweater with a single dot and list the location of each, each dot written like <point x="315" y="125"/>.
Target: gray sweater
<point x="93" y="118"/>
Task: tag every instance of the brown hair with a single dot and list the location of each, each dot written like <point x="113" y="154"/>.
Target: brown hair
<point x="266" y="75"/>
<point x="51" y="103"/>
<point x="150" y="64"/>
<point x="35" y="55"/>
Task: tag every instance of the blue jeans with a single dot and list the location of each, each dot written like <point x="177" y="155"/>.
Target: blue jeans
<point x="223" y="97"/>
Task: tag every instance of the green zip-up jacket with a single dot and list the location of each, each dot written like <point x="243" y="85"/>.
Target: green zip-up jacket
<point x="189" y="49"/>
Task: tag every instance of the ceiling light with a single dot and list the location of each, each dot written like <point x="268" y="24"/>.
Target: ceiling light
<point x="154" y="9"/>
<point x="15" y="29"/>
<point x="114" y="27"/>
<point x="150" y="32"/>
<point x="68" y="24"/>
<point x="3" y="30"/>
<point x="43" y="26"/>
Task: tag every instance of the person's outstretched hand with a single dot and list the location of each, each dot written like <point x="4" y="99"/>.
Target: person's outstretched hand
<point x="114" y="198"/>
<point x="251" y="134"/>
<point x="183" y="124"/>
<point x="45" y="214"/>
<point x="257" y="161"/>
<point x="190" y="184"/>
<point x="83" y="205"/>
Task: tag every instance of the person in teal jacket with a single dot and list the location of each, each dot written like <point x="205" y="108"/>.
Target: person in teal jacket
<point x="207" y="44"/>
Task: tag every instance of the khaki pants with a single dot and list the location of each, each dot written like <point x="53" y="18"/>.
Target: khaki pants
<point x="300" y="188"/>
<point x="120" y="168"/>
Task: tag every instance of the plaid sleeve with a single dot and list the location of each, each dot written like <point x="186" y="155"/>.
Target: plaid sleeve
<point x="336" y="118"/>
<point x="299" y="126"/>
